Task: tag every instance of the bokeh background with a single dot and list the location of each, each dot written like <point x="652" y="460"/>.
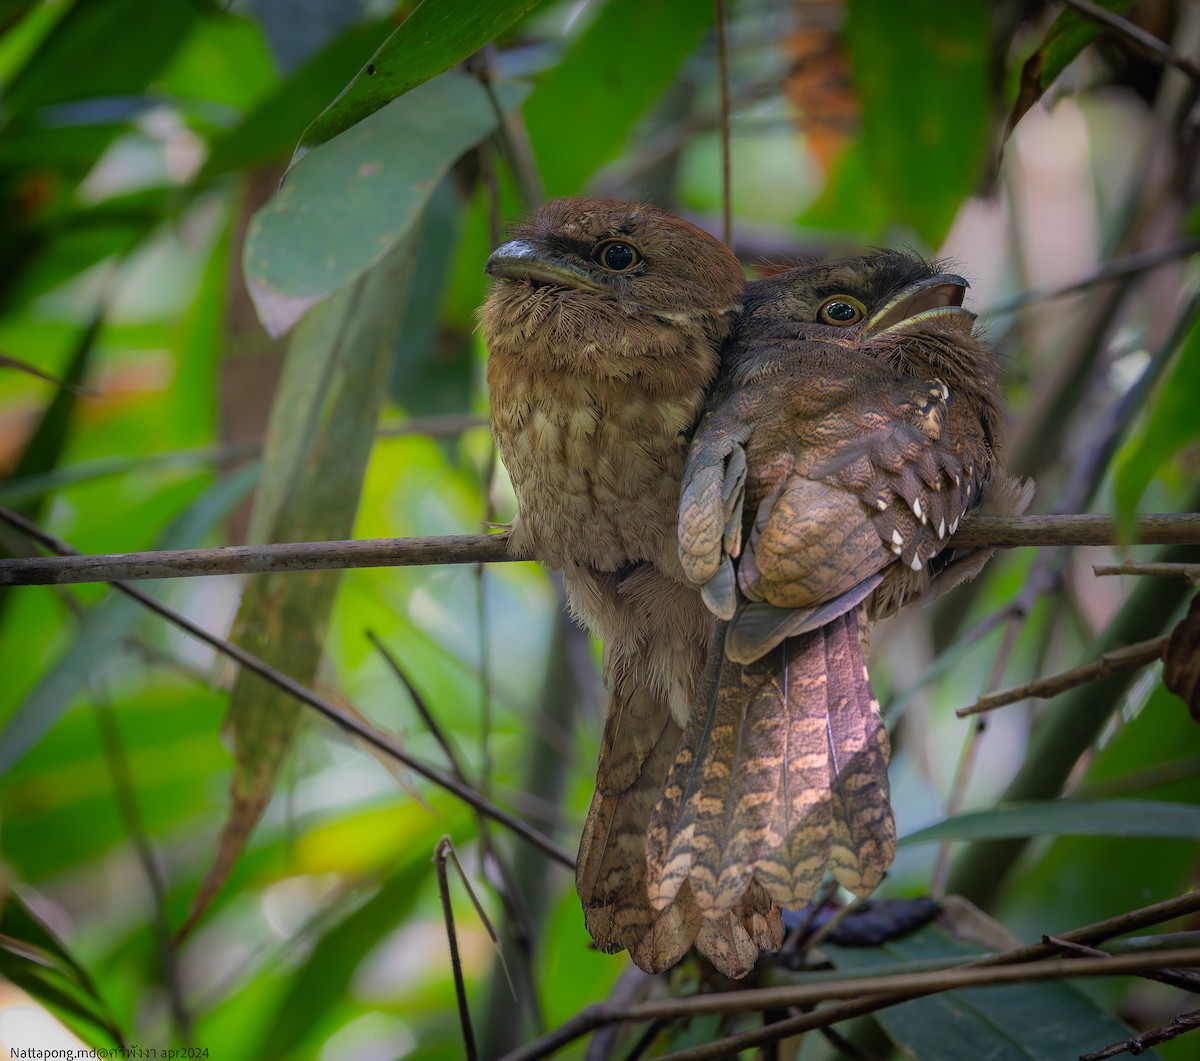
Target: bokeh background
<point x="144" y="237"/>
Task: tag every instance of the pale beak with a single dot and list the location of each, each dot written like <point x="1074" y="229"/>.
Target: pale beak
<point x="935" y="302"/>
<point x="520" y="259"/>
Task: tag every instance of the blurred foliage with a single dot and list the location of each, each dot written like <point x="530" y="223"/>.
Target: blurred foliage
<point x="141" y="150"/>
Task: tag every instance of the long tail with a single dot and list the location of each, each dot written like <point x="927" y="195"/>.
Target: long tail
<point x="782" y="778"/>
<point x="639" y="743"/>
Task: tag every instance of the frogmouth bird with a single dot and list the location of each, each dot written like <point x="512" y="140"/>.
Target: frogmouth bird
<point x="603" y="330"/>
<point x="856" y="421"/>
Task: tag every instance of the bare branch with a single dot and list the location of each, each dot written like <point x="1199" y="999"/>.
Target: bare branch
<point x="1126" y="265"/>
<point x="1140" y="1043"/>
<point x="998" y="532"/>
<point x="1128" y="658"/>
<point x="1189" y="571"/>
<point x="726" y="162"/>
<point x="443" y="850"/>
<point x="1179" y="978"/>
<point x="882" y="990"/>
<point x="1136" y="37"/>
<point x="335" y="714"/>
<point x="596" y="1016"/>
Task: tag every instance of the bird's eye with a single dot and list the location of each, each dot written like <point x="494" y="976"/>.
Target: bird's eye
<point x="616" y="255"/>
<point x="841" y="311"/>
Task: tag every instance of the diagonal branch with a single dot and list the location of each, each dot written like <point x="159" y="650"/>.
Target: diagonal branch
<point x="1119" y="660"/>
<point x="993" y="532"/>
<point x="1136" y="37"/>
<point x="324" y="707"/>
<point x="901" y="989"/>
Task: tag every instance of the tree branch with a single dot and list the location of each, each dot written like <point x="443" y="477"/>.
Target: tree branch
<point x="600" y="1014"/>
<point x="1136" y="37"/>
<point x="992" y="532"/>
<point x="1119" y="660"/>
<point x="334" y="714"/>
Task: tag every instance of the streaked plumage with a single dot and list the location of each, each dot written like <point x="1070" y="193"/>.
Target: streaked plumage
<point x="832" y="465"/>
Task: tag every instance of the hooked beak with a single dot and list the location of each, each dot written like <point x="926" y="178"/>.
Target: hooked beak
<point x="520" y="259"/>
<point x="934" y="302"/>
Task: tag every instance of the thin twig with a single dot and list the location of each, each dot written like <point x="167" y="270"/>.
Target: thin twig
<point x="993" y="532"/>
<point x="460" y="987"/>
<point x="1136" y="37"/>
<point x="1189" y="571"/>
<point x="418" y="700"/>
<point x="1120" y="660"/>
<point x="1185" y="981"/>
<point x="882" y="990"/>
<point x="7" y="361"/>
<point x="967" y="759"/>
<point x="333" y="713"/>
<point x="1125" y="265"/>
<point x="595" y="1016"/>
<point x="726" y="161"/>
<point x="127" y="804"/>
<point x="1140" y="1043"/>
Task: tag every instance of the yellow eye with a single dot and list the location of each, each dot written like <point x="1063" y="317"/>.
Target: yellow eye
<point x="616" y="255"/>
<point x="841" y="311"/>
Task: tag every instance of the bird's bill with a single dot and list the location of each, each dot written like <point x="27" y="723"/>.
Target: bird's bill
<point x="935" y="301"/>
<point x="521" y="259"/>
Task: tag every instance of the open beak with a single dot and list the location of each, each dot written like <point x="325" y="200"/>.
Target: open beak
<point x="519" y="259"/>
<point x="935" y="302"/>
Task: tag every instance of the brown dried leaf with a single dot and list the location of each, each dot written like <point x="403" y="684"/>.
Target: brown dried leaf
<point x="1181" y="659"/>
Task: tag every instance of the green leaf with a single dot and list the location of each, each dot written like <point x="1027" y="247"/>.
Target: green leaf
<point x="1066" y="38"/>
<point x="921" y="70"/>
<point x="1134" y="818"/>
<point x="318" y="441"/>
<point x="34" y="959"/>
<point x="582" y="110"/>
<point x="107" y="625"/>
<point x="271" y="129"/>
<point x="1167" y="429"/>
<point x="92" y="52"/>
<point x="349" y="202"/>
<point x="438" y="34"/>
<point x="1045" y="1021"/>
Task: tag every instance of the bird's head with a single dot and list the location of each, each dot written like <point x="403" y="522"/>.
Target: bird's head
<point x="880" y="295"/>
<point x="581" y="270"/>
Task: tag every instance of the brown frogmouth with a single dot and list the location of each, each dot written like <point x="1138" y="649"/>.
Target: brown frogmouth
<point x="603" y="331"/>
<point x="856" y="421"/>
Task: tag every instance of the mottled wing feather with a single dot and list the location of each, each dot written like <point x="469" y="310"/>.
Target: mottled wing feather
<point x="887" y="493"/>
<point x="758" y="627"/>
<point x="710" y="502"/>
<point x="794" y="863"/>
<point x="864" y="831"/>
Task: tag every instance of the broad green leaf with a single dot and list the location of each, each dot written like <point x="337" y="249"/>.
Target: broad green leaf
<point x="318" y="442"/>
<point x="271" y="129"/>
<point x="921" y="70"/>
<point x="583" y="109"/>
<point x="1066" y="38"/>
<point x="1118" y="817"/>
<point x="1045" y="1021"/>
<point x="107" y="625"/>
<point x="92" y="52"/>
<point x="1169" y="427"/>
<point x="34" y="959"/>
<point x="438" y="34"/>
<point x="349" y="202"/>
<point x="224" y="60"/>
<point x="1073" y="881"/>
